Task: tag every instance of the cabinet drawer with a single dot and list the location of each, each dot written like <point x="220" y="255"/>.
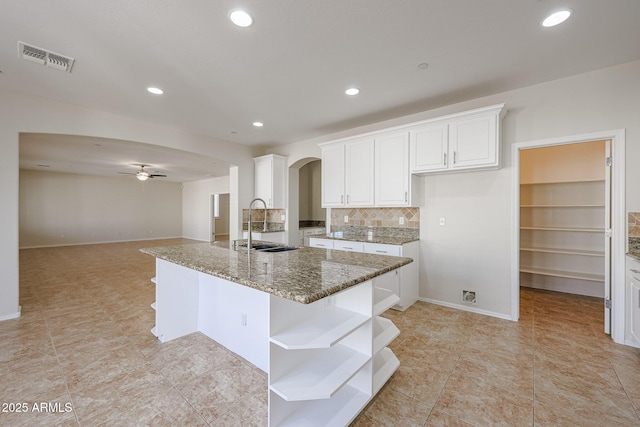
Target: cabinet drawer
<point x="345" y="245"/>
<point x="382" y="249"/>
<point x="321" y="243"/>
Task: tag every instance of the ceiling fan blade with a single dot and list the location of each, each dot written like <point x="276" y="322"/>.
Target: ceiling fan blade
<point x="155" y="175"/>
<point x="126" y="173"/>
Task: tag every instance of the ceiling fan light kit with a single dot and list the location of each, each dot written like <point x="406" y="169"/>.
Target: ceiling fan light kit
<point x="143" y="175"/>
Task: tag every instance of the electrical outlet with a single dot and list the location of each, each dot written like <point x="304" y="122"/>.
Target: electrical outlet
<point x="401" y="220"/>
<point x="442" y="221"/>
<point x="282" y="217"/>
<point x="346" y="218"/>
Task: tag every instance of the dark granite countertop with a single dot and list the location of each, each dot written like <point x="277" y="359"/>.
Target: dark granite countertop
<point x="304" y="275"/>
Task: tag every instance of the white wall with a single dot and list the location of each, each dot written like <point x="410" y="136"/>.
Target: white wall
<point x="473" y="249"/>
<point x="25" y="113"/>
<point x="310" y="188"/>
<point x="65" y="209"/>
<point x="196" y="206"/>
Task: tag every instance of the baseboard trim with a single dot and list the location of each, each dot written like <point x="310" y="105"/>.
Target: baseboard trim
<point x="101" y="243"/>
<point x="467" y="308"/>
<point x="11" y="316"/>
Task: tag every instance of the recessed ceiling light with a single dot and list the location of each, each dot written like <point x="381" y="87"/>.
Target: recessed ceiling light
<point x="556" y="18"/>
<point x="240" y="18"/>
<point x="155" y="90"/>
<point x="352" y="91"/>
<point x="258" y="124"/>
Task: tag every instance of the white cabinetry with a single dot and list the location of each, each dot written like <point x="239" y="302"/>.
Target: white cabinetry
<point x="347" y="173"/>
<point x="270" y="180"/>
<point x="393" y="181"/>
<point x="403" y="282"/>
<point x="633" y="280"/>
<point x="429" y="148"/>
<point x="406" y="276"/>
<point x="469" y="140"/>
<point x="315" y="242"/>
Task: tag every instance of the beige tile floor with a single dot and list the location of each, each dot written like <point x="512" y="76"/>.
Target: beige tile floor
<point x="83" y="340"/>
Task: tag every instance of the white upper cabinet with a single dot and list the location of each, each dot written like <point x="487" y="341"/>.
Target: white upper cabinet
<point x="377" y="169"/>
<point x="359" y="164"/>
<point x="462" y="141"/>
<point x="333" y="175"/>
<point x="429" y="147"/>
<point x="392" y="177"/>
<point x="270" y="180"/>
<point x="347" y="173"/>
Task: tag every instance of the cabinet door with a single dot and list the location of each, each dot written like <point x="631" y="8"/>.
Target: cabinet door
<point x="321" y="243"/>
<point x="429" y="148"/>
<point x="346" y="245"/>
<point x="359" y="166"/>
<point x="333" y="175"/>
<point x="473" y="142"/>
<point x="264" y="180"/>
<point x="270" y="180"/>
<point x="392" y="175"/>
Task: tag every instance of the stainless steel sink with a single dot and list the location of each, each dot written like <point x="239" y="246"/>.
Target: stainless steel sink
<point x="278" y="249"/>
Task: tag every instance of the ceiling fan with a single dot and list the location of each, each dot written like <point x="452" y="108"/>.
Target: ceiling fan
<point x="142" y="174"/>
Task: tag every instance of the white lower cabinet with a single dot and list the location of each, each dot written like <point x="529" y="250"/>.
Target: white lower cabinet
<point x="347" y="245"/>
<point x="315" y="242"/>
<point x="633" y="280"/>
<point x="329" y="358"/>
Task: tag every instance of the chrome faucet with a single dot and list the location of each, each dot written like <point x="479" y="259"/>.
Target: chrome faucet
<point x="249" y="226"/>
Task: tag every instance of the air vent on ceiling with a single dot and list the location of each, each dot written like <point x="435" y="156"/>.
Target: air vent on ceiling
<point x="45" y="57"/>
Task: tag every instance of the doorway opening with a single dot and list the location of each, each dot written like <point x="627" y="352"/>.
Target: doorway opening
<point x="219" y="217"/>
<point x="569" y="221"/>
<point x="565" y="219"/>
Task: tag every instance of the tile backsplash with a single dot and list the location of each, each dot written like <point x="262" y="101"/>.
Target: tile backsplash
<point x="634" y="231"/>
<point x="634" y="224"/>
<point x="376" y="217"/>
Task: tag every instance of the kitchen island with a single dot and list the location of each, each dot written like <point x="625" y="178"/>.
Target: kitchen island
<point x="308" y="317"/>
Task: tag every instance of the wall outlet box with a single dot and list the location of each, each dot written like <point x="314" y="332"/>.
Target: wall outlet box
<point x="401" y="220"/>
<point x="442" y="221"/>
<point x="283" y="217"/>
<point x="346" y="218"/>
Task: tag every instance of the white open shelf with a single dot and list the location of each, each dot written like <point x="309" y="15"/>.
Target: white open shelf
<point x="385" y="363"/>
<point x="562" y="273"/>
<point x="564" y="251"/>
<point x="383" y="299"/>
<point x="321" y="331"/>
<point x="154" y="306"/>
<point x="153" y="279"/>
<point x="154" y="331"/>
<point x="384" y="331"/>
<point x="564" y="206"/>
<point x="338" y="411"/>
<point x="570" y="229"/>
<point x="321" y="376"/>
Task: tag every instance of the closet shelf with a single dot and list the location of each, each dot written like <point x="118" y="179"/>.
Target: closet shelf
<point x="564" y="251"/>
<point x="571" y="229"/>
<point x="564" y="206"/>
<point x="577" y="181"/>
<point x="562" y="273"/>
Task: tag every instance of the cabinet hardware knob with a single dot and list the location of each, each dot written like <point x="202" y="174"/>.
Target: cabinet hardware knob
<point x="454" y="157"/>
<point x="444" y="159"/>
<point x="406" y="196"/>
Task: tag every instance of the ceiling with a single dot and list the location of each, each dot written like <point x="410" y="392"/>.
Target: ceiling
<point x="290" y="69"/>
